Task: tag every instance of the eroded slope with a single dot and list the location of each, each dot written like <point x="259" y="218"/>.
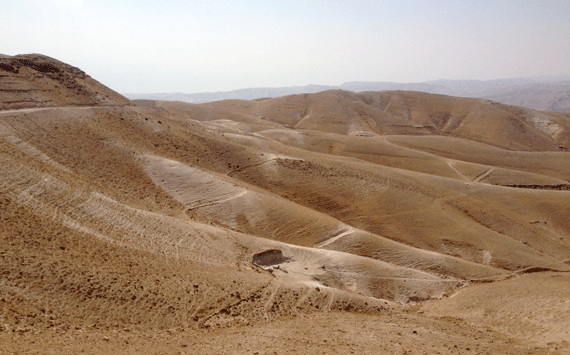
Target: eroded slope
<point x="35" y="80"/>
<point x="157" y="215"/>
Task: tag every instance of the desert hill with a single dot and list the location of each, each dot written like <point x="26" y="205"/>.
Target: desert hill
<point x="141" y="218"/>
<point x="450" y="180"/>
<point x="550" y="93"/>
<point x="400" y="113"/>
<point x="35" y="80"/>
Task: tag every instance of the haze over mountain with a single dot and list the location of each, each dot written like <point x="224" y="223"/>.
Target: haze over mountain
<point x="372" y="222"/>
<point x="541" y="93"/>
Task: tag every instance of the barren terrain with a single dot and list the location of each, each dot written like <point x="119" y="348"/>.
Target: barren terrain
<point x="550" y="93"/>
<point x="378" y="222"/>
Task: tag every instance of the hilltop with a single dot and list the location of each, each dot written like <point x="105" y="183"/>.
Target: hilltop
<point x="35" y="80"/>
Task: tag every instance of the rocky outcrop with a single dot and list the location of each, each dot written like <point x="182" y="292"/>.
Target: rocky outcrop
<point x="35" y="80"/>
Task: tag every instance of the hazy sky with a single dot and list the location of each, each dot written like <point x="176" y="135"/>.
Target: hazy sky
<point x="200" y="46"/>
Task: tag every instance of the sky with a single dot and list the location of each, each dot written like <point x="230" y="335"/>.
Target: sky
<point x="190" y="46"/>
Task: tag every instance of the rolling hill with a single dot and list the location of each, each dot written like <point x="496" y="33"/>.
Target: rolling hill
<point x="153" y="216"/>
<point x="550" y="93"/>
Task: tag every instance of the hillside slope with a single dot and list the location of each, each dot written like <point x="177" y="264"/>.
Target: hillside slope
<point x="395" y="113"/>
<point x="176" y="216"/>
<point x="35" y="80"/>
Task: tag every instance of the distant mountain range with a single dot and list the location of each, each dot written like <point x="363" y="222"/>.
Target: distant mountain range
<point x="541" y="93"/>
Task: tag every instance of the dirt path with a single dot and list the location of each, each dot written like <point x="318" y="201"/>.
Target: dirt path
<point x="303" y="119"/>
<point x="484" y="175"/>
<point x="335" y="238"/>
<point x="452" y="166"/>
<point x="39" y="109"/>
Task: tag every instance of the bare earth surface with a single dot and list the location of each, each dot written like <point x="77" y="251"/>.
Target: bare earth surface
<point x="333" y="223"/>
<point x="313" y="333"/>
